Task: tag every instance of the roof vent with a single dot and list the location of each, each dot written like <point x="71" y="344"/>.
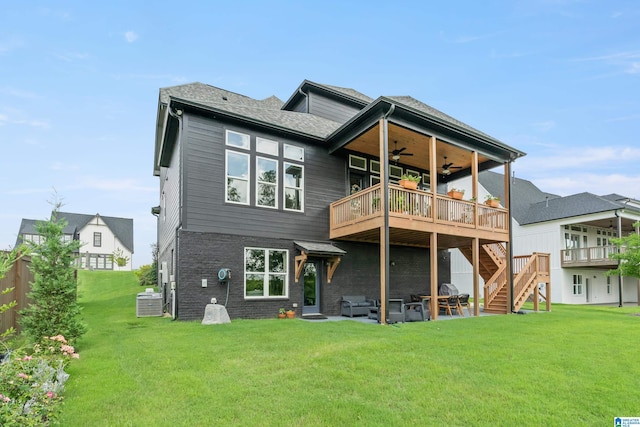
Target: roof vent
<point x="224" y="98"/>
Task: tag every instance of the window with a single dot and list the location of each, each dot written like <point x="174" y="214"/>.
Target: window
<point x="577" y="284"/>
<point x="266" y="182"/>
<point x="608" y="285"/>
<point x="426" y="181"/>
<point x="97" y="262"/>
<point x="356" y="162"/>
<point x="267" y="146"/>
<point x="293" y="187"/>
<point x="236" y="139"/>
<point x="97" y="239"/>
<point x="374" y="165"/>
<point x="265" y="273"/>
<point x="395" y="172"/>
<point x="292" y="152"/>
<point x="237" y="177"/>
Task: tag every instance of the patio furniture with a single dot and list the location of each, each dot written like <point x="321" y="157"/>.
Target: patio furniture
<point x="414" y="312"/>
<point x="396" y="310"/>
<point x="447" y="304"/>
<point x="356" y="305"/>
<point x="463" y="301"/>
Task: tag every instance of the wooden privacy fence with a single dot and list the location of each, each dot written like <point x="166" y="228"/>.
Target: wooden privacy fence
<point x="19" y="278"/>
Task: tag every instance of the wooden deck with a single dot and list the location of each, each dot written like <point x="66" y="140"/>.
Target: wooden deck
<point x="413" y="215"/>
<point x="591" y="257"/>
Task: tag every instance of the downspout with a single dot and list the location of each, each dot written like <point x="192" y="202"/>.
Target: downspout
<point x="385" y="195"/>
<point x="510" y="252"/>
<point x="619" y="227"/>
<point x="178" y="116"/>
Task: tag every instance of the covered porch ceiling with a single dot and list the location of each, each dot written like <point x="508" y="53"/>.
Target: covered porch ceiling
<point x="417" y="144"/>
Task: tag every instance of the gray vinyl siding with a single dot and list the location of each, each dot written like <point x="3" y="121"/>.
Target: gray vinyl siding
<point x="205" y="209"/>
<point x="300" y="106"/>
<point x="330" y="108"/>
<point x="169" y="218"/>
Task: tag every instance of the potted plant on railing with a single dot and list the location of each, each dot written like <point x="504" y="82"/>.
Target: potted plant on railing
<point x="456" y="193"/>
<point x="493" y="201"/>
<point x="409" y="181"/>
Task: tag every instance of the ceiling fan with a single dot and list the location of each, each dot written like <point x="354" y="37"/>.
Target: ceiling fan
<point x="446" y="167"/>
<point x="397" y="152"/>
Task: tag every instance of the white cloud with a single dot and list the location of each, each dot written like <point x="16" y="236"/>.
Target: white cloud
<point x="544" y="126"/>
<point x="130" y="36"/>
<point x="463" y="39"/>
<point x="599" y="184"/>
<point x="7" y="120"/>
<point x="127" y="184"/>
<point x="59" y="166"/>
<point x="626" y="61"/>
<point x="70" y="56"/>
<point x="10" y="44"/>
<point x="18" y="93"/>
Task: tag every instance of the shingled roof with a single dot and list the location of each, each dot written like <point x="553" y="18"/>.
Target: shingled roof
<point x="122" y="228"/>
<point x="530" y="205"/>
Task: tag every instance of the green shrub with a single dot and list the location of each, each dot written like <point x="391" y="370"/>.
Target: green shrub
<point x="147" y="275"/>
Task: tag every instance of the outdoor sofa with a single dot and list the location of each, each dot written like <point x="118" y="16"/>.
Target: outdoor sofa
<point x="356" y="305"/>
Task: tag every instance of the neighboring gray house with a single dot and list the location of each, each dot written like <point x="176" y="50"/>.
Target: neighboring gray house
<point x="576" y="230"/>
<point x="99" y="235"/>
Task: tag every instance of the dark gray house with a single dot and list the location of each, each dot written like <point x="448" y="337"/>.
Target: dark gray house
<point x="295" y="204"/>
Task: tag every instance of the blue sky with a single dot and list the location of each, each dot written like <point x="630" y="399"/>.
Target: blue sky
<point x="79" y="81"/>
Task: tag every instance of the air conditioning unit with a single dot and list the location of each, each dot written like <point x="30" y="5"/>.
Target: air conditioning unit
<point x="149" y="304"/>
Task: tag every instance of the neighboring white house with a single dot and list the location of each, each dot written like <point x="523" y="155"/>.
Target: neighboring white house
<point x="575" y="230"/>
<point x="100" y="237"/>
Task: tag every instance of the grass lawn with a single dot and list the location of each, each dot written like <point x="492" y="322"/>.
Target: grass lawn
<point x="574" y="366"/>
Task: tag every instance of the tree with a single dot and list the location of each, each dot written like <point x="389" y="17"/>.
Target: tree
<point x="54" y="309"/>
<point x="628" y="254"/>
<point x="148" y="274"/>
<point x="119" y="258"/>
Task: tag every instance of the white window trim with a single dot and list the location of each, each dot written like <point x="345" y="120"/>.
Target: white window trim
<point x="266" y="274"/>
<point x="374" y="166"/>
<point x="301" y="188"/>
<point x="362" y="159"/>
<point x="395" y="171"/>
<point x="276" y="185"/>
<point x="287" y="146"/>
<point x="244" y="136"/>
<point x="270" y="142"/>
<point x="226" y="177"/>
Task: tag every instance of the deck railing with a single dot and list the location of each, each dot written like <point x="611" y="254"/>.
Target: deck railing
<point x="416" y="204"/>
<point x="592" y="256"/>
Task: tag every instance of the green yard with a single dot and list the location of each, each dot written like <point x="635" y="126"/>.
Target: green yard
<point x="574" y="366"/>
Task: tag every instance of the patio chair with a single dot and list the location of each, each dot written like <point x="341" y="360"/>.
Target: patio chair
<point x="414" y="312"/>
<point x="396" y="311"/>
<point x="449" y="303"/>
<point x="463" y="301"/>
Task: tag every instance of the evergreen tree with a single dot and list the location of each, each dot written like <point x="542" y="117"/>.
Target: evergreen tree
<point x="54" y="309"/>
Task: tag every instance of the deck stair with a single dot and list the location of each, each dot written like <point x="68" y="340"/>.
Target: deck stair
<point x="529" y="271"/>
